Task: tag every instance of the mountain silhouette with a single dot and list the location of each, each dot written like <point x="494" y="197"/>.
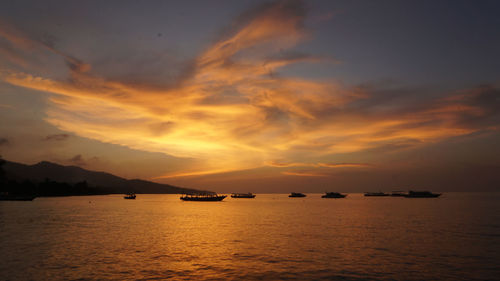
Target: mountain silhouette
<point x="101" y="181"/>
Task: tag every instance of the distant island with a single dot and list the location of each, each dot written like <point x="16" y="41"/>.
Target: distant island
<point x="50" y="179"/>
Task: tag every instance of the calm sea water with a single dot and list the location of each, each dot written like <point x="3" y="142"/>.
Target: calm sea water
<point x="455" y="237"/>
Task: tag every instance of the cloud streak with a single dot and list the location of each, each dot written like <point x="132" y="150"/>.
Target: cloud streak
<point x="232" y="112"/>
<point x="57" y="137"/>
<point x="304" y="173"/>
<point x="344" y="165"/>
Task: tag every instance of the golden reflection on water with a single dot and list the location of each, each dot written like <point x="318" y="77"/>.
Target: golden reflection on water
<point x="269" y="237"/>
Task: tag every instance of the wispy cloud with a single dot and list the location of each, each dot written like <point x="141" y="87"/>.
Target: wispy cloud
<point x="57" y="137"/>
<point x="77" y="160"/>
<point x="20" y="42"/>
<point x="344" y="165"/>
<point x="304" y="173"/>
<point x="232" y="111"/>
<point x="195" y="173"/>
<point x="281" y="164"/>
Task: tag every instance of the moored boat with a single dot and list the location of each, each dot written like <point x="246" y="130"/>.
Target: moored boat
<point x="296" y="194"/>
<point x="333" y="195"/>
<point x="129" y="196"/>
<point x="421" y="194"/>
<point x="243" y="195"/>
<point x="376" y="194"/>
<point x="398" y="193"/>
<point x="205" y="197"/>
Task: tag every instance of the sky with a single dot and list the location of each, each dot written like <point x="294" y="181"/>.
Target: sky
<point x="260" y="96"/>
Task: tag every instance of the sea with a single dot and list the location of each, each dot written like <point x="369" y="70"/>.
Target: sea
<point x="271" y="237"/>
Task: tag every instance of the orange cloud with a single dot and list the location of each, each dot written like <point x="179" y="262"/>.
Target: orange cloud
<point x="280" y="164"/>
<point x="233" y="111"/>
<point x="325" y="165"/>
<point x="304" y="174"/>
<point x="344" y="165"/>
<point x="194" y="173"/>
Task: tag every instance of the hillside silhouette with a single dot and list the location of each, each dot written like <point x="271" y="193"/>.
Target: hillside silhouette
<point x="50" y="179"/>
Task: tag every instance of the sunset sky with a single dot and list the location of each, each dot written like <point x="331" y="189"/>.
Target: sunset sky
<point x="257" y="96"/>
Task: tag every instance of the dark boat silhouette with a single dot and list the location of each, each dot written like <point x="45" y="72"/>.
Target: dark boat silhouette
<point x="333" y="195"/>
<point x="129" y="196"/>
<point x="5" y="196"/>
<point x="421" y="194"/>
<point x="376" y="194"/>
<point x="398" y="193"/>
<point x="206" y="197"/>
<point x="296" y="194"/>
<point x="242" y="195"/>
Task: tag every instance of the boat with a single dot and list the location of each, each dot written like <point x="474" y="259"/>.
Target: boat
<point x="242" y="195"/>
<point x="398" y="193"/>
<point x="205" y="197"/>
<point x="421" y="194"/>
<point x="376" y="194"/>
<point x="129" y="196"/>
<point x="333" y="195"/>
<point x="5" y="196"/>
<point x="297" y="194"/>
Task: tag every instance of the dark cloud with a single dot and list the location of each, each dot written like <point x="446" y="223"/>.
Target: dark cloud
<point x="4" y="141"/>
<point x="21" y="40"/>
<point x="487" y="99"/>
<point x="77" y="160"/>
<point x="227" y="94"/>
<point x="57" y="137"/>
<point x="161" y="128"/>
<point x="166" y="69"/>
